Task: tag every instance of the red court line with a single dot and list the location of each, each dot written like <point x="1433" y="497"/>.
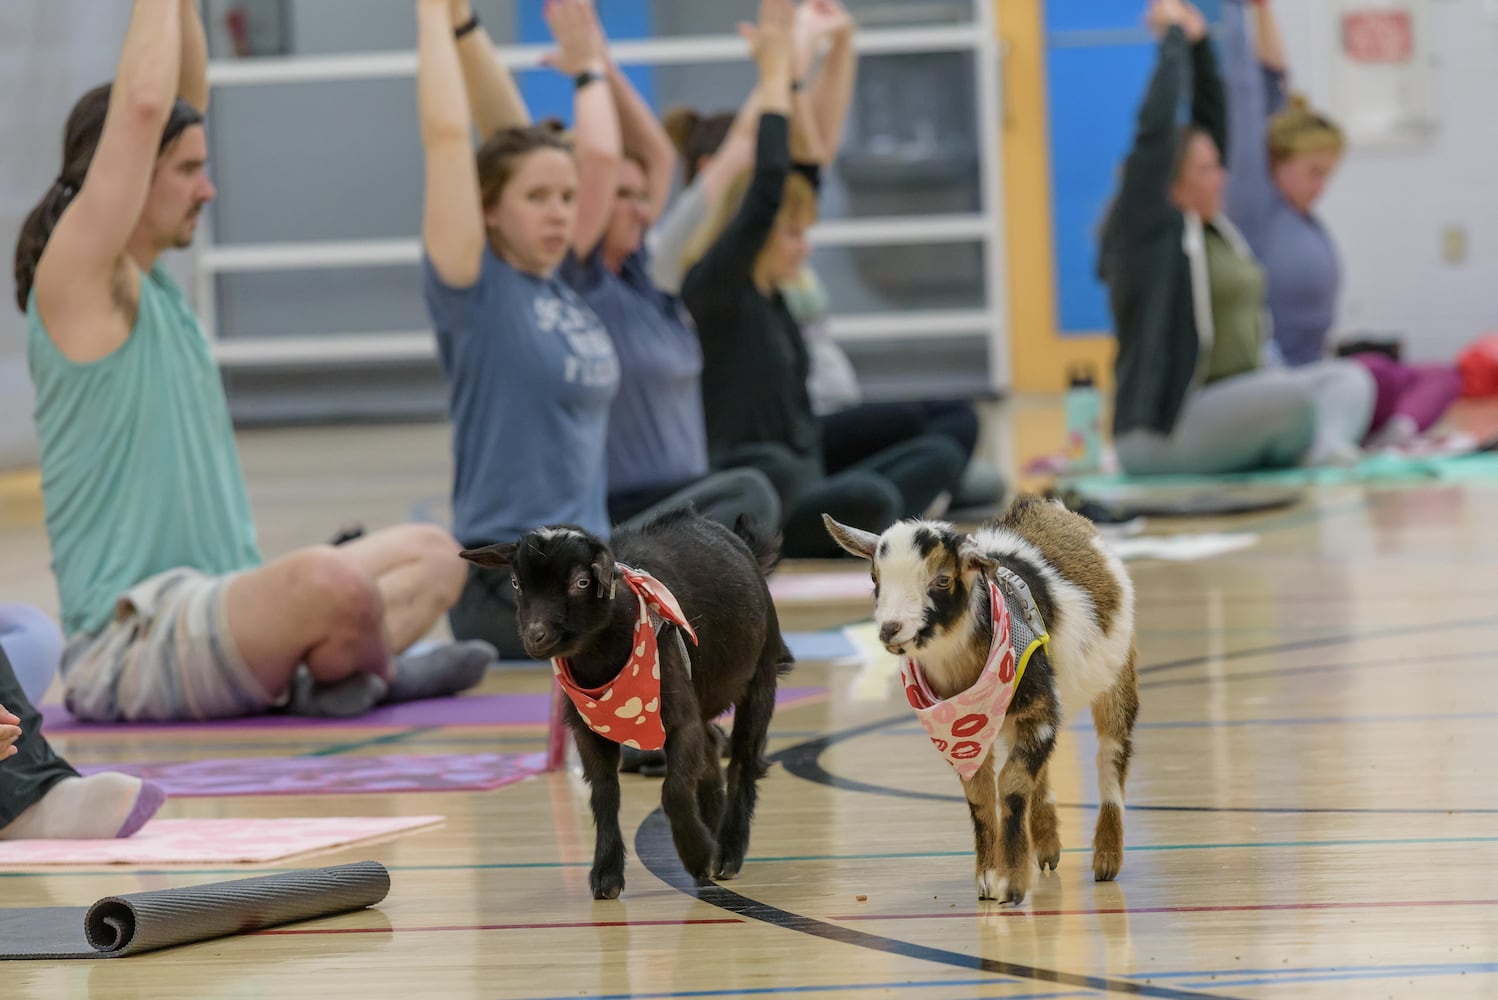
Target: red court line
<point x="502" y="927"/>
<point x="1132" y="911"/>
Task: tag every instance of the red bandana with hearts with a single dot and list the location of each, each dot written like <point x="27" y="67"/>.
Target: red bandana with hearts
<point x="627" y="709"/>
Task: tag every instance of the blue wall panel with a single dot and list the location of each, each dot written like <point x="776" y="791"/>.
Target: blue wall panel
<point x="1099" y="58"/>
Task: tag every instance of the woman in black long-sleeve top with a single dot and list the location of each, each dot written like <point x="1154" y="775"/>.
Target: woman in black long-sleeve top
<point x="755" y="362"/>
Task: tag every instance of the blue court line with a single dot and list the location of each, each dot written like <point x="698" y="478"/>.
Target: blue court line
<point x="1312" y="970"/>
<point x="839" y="988"/>
<point x="807" y="858"/>
<point x="1342" y="977"/>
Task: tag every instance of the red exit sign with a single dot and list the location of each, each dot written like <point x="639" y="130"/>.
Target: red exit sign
<point x="1378" y="36"/>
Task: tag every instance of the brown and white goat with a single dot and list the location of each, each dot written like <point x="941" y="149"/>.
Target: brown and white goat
<point x="932" y="605"/>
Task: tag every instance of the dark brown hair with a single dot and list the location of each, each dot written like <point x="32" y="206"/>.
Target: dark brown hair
<point x="499" y="154"/>
<point x="695" y="136"/>
<point x="80" y="139"/>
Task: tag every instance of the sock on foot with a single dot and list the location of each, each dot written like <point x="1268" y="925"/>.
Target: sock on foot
<point x="345" y="699"/>
<point x="97" y="807"/>
<point x="441" y="671"/>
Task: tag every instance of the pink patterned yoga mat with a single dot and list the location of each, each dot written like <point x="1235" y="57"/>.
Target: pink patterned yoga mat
<point x="212" y="841"/>
<point x="483" y="710"/>
<point x="342" y="775"/>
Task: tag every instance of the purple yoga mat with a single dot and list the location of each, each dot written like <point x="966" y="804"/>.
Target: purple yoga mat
<point x="464" y="710"/>
<point x="344" y="775"/>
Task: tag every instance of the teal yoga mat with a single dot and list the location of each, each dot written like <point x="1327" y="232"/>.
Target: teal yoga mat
<point x="1391" y="469"/>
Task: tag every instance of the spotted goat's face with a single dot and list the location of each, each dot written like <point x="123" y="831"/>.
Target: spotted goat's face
<point x="924" y="573"/>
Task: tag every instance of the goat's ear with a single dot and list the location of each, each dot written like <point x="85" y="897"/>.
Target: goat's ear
<point x="603" y="573"/>
<point x="494" y="556"/>
<point x="854" y="541"/>
<point x="973" y="558"/>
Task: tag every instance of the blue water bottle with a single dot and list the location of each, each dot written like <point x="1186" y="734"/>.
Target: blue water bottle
<point x="1084" y="421"/>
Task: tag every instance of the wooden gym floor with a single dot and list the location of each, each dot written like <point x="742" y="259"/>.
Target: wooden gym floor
<point x="1313" y="810"/>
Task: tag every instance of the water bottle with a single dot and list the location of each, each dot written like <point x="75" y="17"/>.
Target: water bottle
<point x="1084" y="421"/>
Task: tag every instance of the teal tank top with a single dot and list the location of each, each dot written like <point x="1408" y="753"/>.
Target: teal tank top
<point x="140" y="471"/>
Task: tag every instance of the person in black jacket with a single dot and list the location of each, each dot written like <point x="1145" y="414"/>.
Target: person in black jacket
<point x="755" y="360"/>
<point x="1198" y="386"/>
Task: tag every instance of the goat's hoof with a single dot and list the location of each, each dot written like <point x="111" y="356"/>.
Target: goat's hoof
<point x="990" y="884"/>
<point x="607" y="885"/>
<point x="1049" y="861"/>
<point x="729" y="869"/>
<point x="1105" y="865"/>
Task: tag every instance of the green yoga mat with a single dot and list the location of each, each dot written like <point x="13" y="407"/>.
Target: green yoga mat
<point x="1392" y="469"/>
<point x="120" y="926"/>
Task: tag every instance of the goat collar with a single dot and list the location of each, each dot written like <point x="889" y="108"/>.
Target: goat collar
<point x="963" y="728"/>
<point x="627" y="709"/>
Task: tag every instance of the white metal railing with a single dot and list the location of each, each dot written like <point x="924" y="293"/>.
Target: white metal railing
<point x="979" y="37"/>
<point x="262" y="257"/>
<point x="685" y="49"/>
<point x="421" y="345"/>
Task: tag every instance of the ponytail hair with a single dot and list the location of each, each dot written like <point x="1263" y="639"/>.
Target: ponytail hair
<point x="695" y="136"/>
<point x="81" y="136"/>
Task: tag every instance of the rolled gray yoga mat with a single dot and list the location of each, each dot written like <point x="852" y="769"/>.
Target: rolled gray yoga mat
<point x="119" y="926"/>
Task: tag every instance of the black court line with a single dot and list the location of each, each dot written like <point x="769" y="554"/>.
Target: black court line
<point x="654" y="848"/>
<point x="804" y="761"/>
<point x="1434" y="662"/>
<point x="1296" y="645"/>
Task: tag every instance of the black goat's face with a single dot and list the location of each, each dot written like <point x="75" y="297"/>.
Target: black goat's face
<point x="564" y="582"/>
<point x="923" y="571"/>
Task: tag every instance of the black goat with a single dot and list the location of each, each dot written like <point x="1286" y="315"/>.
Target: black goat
<point x="579" y="607"/>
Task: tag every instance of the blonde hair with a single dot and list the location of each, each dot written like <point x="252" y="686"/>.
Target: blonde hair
<point x="798" y="205"/>
<point x="1298" y="129"/>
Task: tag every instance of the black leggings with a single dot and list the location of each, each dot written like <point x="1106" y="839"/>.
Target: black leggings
<point x="35" y="768"/>
<point x="860" y="432"/>
<point x="896" y="482"/>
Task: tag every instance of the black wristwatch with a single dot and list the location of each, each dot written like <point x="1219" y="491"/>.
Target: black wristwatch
<point x="466" y="26"/>
<point x="586" y="77"/>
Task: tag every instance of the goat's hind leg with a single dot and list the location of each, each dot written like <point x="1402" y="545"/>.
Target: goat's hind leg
<point x="746" y="759"/>
<point x="1113" y="715"/>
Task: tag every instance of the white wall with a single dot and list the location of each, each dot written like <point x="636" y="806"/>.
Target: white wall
<point x="1389" y="209"/>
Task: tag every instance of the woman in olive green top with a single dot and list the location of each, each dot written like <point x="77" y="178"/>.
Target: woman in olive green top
<point x="1199" y="386"/>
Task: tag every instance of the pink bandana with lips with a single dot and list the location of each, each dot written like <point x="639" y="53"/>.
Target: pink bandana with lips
<point x="627" y="709"/>
<point x="964" y="727"/>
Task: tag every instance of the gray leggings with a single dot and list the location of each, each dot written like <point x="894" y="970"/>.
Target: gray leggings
<point x="1274" y="418"/>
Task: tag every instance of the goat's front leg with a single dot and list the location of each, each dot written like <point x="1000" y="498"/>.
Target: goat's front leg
<point x="1034" y="739"/>
<point x="982" y="803"/>
<point x="600" y="760"/>
<point x="1045" y="829"/>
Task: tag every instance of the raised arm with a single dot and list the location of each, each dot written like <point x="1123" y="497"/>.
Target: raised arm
<point x="832" y="92"/>
<point x="1209" y="101"/>
<point x="729" y="261"/>
<point x="452" y="225"/>
<point x="1143" y="200"/>
<point x="596" y="144"/>
<point x="79" y="275"/>
<point x="1250" y="193"/>
<point x="493" y="96"/>
<point x="640" y="131"/>
<point x="192" y="84"/>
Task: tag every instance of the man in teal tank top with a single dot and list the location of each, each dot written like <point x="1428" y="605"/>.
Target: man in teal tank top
<point x="169" y="608"/>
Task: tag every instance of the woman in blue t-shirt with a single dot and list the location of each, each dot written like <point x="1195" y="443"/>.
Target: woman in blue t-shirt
<point x="531" y="371"/>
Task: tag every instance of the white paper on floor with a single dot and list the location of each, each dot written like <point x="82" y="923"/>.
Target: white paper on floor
<point x="1181" y="548"/>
